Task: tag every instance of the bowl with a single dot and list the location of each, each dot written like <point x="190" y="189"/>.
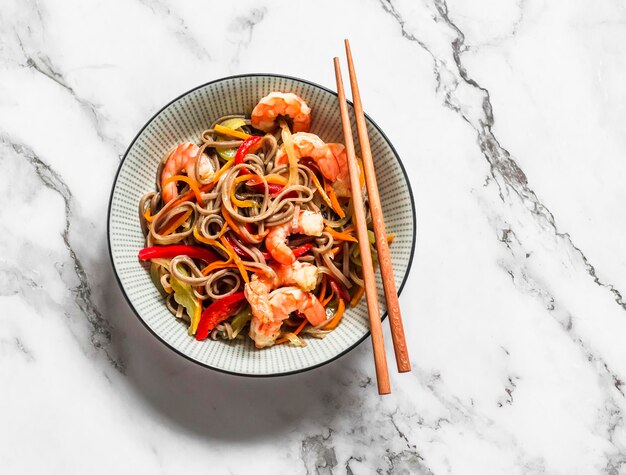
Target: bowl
<point x="184" y="119"/>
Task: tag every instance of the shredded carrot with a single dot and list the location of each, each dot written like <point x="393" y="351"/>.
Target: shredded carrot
<point x="271" y="178"/>
<point x="390" y="237"/>
<point x="220" y="129"/>
<point x="356" y="298"/>
<point x="334" y="202"/>
<point x="210" y="242"/>
<point x="337" y="318"/>
<point x="190" y="181"/>
<point x="237" y="259"/>
<point x="323" y="194"/>
<point x="340" y="236"/>
<point x="147" y="216"/>
<point x="231" y="222"/>
<point x="329" y="298"/>
<point x="295" y="332"/>
<point x="222" y="170"/>
<point x="361" y="173"/>
<point x="237" y="201"/>
<point x="322" y="294"/>
<point x="177" y="223"/>
<point x="335" y="250"/>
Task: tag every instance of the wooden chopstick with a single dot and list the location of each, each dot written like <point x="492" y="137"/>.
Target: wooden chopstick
<point x="391" y="294"/>
<point x="380" y="359"/>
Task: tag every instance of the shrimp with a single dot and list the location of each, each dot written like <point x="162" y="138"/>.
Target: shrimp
<point x="341" y="184"/>
<point x="265" y="326"/>
<point x="183" y="158"/>
<point x="310" y="145"/>
<point x="275" y="104"/>
<point x="309" y="223"/>
<point x="302" y="274"/>
<point x="283" y="301"/>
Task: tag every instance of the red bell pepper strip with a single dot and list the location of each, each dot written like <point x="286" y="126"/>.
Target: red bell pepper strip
<point x="217" y="312"/>
<point x="339" y="288"/>
<point x="168" y="252"/>
<point x="249" y="146"/>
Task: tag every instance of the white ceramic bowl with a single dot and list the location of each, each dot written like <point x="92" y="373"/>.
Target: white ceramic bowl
<point x="184" y="119"/>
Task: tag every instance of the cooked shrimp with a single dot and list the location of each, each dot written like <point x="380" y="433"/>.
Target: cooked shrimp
<point x="291" y="299"/>
<point x="341" y="184"/>
<point x="276" y="104"/>
<point x="310" y="145"/>
<point x="302" y="274"/>
<point x="283" y="301"/>
<point x="256" y="292"/>
<point x="310" y="223"/>
<point x="182" y="159"/>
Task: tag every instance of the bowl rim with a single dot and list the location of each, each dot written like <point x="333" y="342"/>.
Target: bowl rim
<point x="176" y="350"/>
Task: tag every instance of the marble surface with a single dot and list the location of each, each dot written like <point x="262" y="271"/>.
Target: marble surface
<point x="509" y="116"/>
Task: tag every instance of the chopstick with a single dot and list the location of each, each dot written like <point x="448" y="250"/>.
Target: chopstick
<point x="378" y="343"/>
<point x="384" y="258"/>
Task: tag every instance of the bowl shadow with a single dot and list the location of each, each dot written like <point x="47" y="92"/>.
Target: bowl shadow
<point x="217" y="405"/>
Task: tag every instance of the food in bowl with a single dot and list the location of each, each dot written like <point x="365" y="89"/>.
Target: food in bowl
<point x="249" y="232"/>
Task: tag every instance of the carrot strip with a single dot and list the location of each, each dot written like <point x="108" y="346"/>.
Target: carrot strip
<point x="322" y="294"/>
<point x="175" y="225"/>
<point x="340" y="236"/>
<point x="334" y="202"/>
<point x="390" y="237"/>
<point x="231" y="222"/>
<point x="220" y="129"/>
<point x="323" y="194"/>
<point x="147" y="216"/>
<point x="295" y="332"/>
<point x="237" y="259"/>
<point x="337" y="318"/>
<point x="356" y="298"/>
<point x="191" y="182"/>
<point x="237" y="201"/>
<point x="210" y="242"/>
<point x="329" y="298"/>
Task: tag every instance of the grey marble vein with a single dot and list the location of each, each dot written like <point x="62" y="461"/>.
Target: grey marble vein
<point x="44" y="65"/>
<point x="242" y="28"/>
<point x="506" y="173"/>
<point x="318" y="455"/>
<point x="180" y="29"/>
<point x="100" y="328"/>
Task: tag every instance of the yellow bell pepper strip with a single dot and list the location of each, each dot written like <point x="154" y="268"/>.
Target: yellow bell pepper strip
<point x="183" y="294"/>
<point x="234" y="124"/>
<point x="240" y="320"/>
<point x="217" y="312"/>
<point x="337" y="318"/>
<point x="220" y="129"/>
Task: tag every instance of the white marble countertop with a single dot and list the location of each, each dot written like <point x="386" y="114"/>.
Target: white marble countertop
<point x="509" y="117"/>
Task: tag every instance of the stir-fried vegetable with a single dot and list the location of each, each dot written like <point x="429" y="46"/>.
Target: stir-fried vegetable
<point x="183" y="294"/>
<point x="239" y="321"/>
<point x="217" y="312"/>
<point x="168" y="252"/>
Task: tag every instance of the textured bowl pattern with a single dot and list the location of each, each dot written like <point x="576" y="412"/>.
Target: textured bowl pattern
<point x="184" y="119"/>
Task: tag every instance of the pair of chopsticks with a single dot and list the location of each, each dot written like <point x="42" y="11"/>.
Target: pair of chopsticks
<point x="384" y="258"/>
